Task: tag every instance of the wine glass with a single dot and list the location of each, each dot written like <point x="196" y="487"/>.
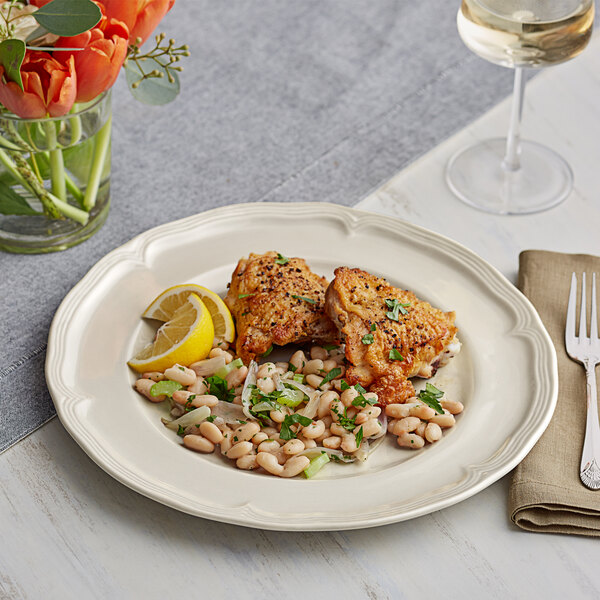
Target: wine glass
<point x="511" y="176"/>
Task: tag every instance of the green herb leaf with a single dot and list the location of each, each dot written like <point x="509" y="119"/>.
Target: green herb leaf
<point x="395" y="355"/>
<point x="361" y="401"/>
<point x="373" y="327"/>
<point x="309" y="300"/>
<point x="217" y="386"/>
<point x="359" y="436"/>
<point x="430" y="396"/>
<point x="165" y="387"/>
<point x="292" y="368"/>
<point x="331" y="375"/>
<point x="330" y="347"/>
<point x="210" y="419"/>
<point x="360" y="389"/>
<point x="151" y="90"/>
<point x="367" y="339"/>
<point x="180" y="430"/>
<point x="267" y="352"/>
<point x="240" y="296"/>
<point x="12" y="53"/>
<point x="12" y="203"/>
<point x="396" y="308"/>
<point x="344" y="385"/>
<point x="282" y="260"/>
<point x="68" y="17"/>
<point x="286" y="433"/>
<point x="343" y="419"/>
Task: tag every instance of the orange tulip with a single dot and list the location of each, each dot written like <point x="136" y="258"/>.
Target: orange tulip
<point x="141" y="16"/>
<point x="49" y="87"/>
<point x="98" y="64"/>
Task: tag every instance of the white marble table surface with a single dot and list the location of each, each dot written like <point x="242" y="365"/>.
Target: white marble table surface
<point x="70" y="531"/>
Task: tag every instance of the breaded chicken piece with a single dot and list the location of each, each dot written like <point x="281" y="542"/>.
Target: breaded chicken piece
<point x="390" y="334"/>
<point x="275" y="303"/>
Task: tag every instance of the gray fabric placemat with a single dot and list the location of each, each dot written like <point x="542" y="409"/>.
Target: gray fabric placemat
<point x="281" y="101"/>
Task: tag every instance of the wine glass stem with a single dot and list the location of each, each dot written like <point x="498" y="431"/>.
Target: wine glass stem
<point x="512" y="160"/>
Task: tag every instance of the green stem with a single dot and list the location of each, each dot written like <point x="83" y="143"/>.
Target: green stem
<point x="81" y="216"/>
<point x="74" y="189"/>
<point x="100" y="152"/>
<point x="57" y="166"/>
<point x="75" y="127"/>
<point x="35" y="166"/>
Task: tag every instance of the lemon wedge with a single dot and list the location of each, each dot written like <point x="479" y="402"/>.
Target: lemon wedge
<point x="185" y="338"/>
<point x="164" y="306"/>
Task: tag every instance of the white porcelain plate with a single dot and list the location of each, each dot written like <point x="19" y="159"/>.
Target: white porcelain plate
<point x="505" y="375"/>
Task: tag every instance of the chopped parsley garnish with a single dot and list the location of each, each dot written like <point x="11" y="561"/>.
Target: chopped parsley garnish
<point x="180" y="430"/>
<point x="241" y="422"/>
<point x="396" y="308"/>
<point x="368" y="339"/>
<point x="286" y="433"/>
<point x="373" y="327"/>
<point x="217" y="386"/>
<point x="267" y="352"/>
<point x="235" y="438"/>
<point x="431" y="396"/>
<point x="188" y="405"/>
<point x="240" y="296"/>
<point x="395" y="355"/>
<point x="210" y="419"/>
<point x="359" y="388"/>
<point x="343" y="419"/>
<point x="362" y="401"/>
<point x="281" y="259"/>
<point x="292" y="368"/>
<point x="330" y="347"/>
<point x="165" y="387"/>
<point x="331" y="375"/>
<point x="344" y="385"/>
<point x="309" y="300"/>
<point x="359" y="436"/>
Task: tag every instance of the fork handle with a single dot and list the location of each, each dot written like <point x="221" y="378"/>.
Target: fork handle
<point x="590" y="456"/>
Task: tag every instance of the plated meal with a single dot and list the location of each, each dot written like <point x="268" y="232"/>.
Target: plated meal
<point x="345" y="350"/>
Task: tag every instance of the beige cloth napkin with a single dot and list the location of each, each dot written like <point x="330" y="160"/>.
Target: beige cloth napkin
<point x="546" y="493"/>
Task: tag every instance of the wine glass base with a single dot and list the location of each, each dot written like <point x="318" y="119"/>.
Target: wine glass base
<point x="477" y="176"/>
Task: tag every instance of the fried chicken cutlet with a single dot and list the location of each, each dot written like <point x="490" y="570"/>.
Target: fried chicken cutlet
<point x="277" y="300"/>
<point x="390" y="334"/>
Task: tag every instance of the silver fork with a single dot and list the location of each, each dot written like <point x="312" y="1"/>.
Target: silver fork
<point x="586" y="350"/>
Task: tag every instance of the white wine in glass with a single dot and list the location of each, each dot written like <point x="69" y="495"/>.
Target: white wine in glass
<point x="508" y="176"/>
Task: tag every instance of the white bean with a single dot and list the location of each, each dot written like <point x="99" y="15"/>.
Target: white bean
<point x="407" y="425"/>
<point x="314" y="430"/>
<point x="198" y="443"/>
<point x="298" y="360"/>
<point x="433" y="432"/>
<point x="308" y="443"/>
<point x="332" y="442"/>
<point x="445" y="420"/>
<point x="183" y="397"/>
<point x="260" y="437"/>
<point x="337" y="429"/>
<point x="324" y="402"/>
<point x="314" y="380"/>
<point x="211" y="432"/>
<point x="236" y="377"/>
<point x="371" y="411"/>
<point x="294" y="466"/>
<point x="349" y="443"/>
<point x="143" y="386"/>
<point x="336" y="409"/>
<point x="246" y="432"/>
<point x="239" y="449"/>
<point x="265" y="385"/>
<point x="397" y="411"/>
<point x="220" y="352"/>
<point x="198" y="387"/>
<point x="318" y="352"/>
<point x="246" y="462"/>
<point x="277" y="415"/>
<point x="265" y="370"/>
<point x="410" y="440"/>
<point x="422" y="411"/>
<point x="227" y="440"/>
<point x="313" y="367"/>
<point x="181" y="375"/>
<point x="349" y="395"/>
<point x="452" y="406"/>
<point x="154" y="375"/>
<point x="293" y="447"/>
<point x="268" y="445"/>
<point x="329" y="365"/>
<point x="217" y="343"/>
<point x="370" y="428"/>
<point x="420" y="430"/>
<point x="269" y="463"/>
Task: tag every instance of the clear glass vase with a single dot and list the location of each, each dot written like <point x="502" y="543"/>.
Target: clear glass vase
<point x="54" y="178"/>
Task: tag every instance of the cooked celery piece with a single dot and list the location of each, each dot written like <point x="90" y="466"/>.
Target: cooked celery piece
<point x="165" y="387"/>
<point x="299" y="378"/>
<point x="315" y="465"/>
<point x="234" y="364"/>
<point x="291" y="398"/>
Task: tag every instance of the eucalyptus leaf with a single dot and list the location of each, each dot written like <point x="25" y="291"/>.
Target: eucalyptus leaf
<point x="13" y="204"/>
<point x="12" y="53"/>
<point x="38" y="32"/>
<point x="152" y="90"/>
<point x="68" y="17"/>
